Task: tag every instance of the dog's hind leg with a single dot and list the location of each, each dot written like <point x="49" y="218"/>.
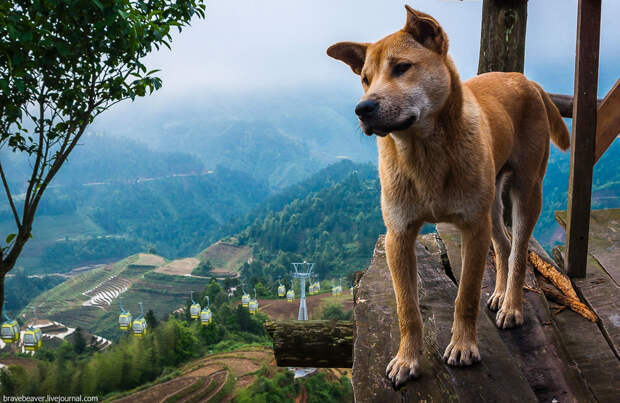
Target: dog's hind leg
<point x="501" y="246"/>
<point x="400" y="251"/>
<point x="526" y="205"/>
<point x="463" y="347"/>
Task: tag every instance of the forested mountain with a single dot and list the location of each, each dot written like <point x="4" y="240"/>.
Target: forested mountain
<point x="118" y="197"/>
<point x="335" y="226"/>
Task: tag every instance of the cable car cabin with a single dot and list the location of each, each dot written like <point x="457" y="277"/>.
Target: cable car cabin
<point x="245" y="300"/>
<point x="290" y="295"/>
<point x="10" y="331"/>
<point x="205" y="317"/>
<point x="253" y="306"/>
<point x="33" y="339"/>
<point x="194" y="311"/>
<point x="125" y="320"/>
<point x="281" y="290"/>
<point x="138" y="327"/>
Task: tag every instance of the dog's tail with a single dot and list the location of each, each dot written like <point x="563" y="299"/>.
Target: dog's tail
<point x="559" y="132"/>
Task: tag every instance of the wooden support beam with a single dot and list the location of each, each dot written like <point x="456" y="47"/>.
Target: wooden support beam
<point x="312" y="343"/>
<point x="583" y="136"/>
<point x="607" y="121"/>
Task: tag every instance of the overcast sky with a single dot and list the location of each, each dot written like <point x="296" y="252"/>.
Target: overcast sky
<point x="251" y="45"/>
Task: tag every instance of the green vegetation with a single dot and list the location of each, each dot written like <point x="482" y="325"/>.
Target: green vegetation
<point x="282" y="387"/>
<point x="175" y="216"/>
<point x="20" y="289"/>
<point x="73" y="369"/>
<point x="333" y="311"/>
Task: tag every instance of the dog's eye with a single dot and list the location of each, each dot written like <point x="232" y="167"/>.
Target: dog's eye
<point x="365" y="81"/>
<point x="401" y="68"/>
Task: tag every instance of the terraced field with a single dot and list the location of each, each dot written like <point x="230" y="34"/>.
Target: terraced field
<point x="90" y="300"/>
<point x="148" y="260"/>
<point x="104" y="293"/>
<point x="226" y="258"/>
<point x="179" y="267"/>
<point x="217" y="377"/>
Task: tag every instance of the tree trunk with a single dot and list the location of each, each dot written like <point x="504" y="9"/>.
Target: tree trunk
<point x="2" y="275"/>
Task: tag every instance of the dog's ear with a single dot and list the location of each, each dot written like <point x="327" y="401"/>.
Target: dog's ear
<point x="352" y="53"/>
<point x="426" y="30"/>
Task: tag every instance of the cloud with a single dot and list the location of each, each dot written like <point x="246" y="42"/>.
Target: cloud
<point x="251" y="46"/>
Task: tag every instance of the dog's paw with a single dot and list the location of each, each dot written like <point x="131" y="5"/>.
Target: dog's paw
<point x="461" y="353"/>
<point x="495" y="301"/>
<point x="400" y="371"/>
<point x="508" y="318"/>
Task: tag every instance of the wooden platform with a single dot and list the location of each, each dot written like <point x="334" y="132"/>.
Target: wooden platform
<point x="562" y="357"/>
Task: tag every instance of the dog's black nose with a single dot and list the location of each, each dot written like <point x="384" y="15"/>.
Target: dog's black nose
<point x="366" y="108"/>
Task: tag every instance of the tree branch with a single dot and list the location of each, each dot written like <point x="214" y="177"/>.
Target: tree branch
<point x="35" y="170"/>
<point x="8" y="195"/>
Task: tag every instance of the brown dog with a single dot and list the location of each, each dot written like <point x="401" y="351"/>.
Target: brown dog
<point x="445" y="148"/>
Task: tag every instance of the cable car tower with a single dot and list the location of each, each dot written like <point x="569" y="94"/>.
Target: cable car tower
<point x="302" y="272"/>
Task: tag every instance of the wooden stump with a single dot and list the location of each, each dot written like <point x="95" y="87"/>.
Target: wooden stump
<point x="495" y="379"/>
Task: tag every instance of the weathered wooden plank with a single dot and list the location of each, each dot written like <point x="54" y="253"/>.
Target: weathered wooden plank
<point x="496" y="378"/>
<point x="535" y="346"/>
<point x="312" y="343"/>
<point x="588" y="346"/>
<point x="603" y="239"/>
<point x="584" y="135"/>
<point x="607" y="121"/>
<point x="602" y="295"/>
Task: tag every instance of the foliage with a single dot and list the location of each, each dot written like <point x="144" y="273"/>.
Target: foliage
<point x="336" y="227"/>
<point x="279" y="387"/>
<point x="20" y="289"/>
<point x="335" y="312"/>
<point x="320" y="390"/>
<point x="79" y="342"/>
<point x="282" y="387"/>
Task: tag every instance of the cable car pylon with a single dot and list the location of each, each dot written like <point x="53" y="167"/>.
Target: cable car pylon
<point x="303" y="271"/>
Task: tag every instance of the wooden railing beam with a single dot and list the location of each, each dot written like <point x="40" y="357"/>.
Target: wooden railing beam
<point x="607" y="121"/>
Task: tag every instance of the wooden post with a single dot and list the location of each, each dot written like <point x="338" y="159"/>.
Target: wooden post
<point x="312" y="343"/>
<point x="502" y="40"/>
<point x="583" y="136"/>
<point x="502" y="48"/>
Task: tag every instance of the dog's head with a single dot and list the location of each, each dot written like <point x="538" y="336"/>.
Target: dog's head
<point x="405" y="76"/>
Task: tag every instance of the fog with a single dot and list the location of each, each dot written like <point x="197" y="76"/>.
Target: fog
<point x="279" y="45"/>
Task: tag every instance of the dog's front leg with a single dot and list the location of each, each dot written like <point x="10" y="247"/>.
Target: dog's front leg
<point x="463" y="347"/>
<point x="400" y="251"/>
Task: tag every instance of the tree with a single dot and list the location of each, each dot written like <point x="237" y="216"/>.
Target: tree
<point x="79" y="342"/>
<point x="63" y="63"/>
<point x="151" y="320"/>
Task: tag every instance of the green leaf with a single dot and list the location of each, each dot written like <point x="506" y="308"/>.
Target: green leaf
<point x="10" y="237"/>
<point x="98" y="4"/>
